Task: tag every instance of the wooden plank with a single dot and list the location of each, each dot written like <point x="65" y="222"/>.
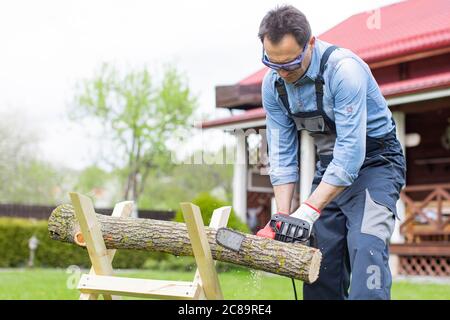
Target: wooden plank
<point x="442" y="249"/>
<point x="121" y="209"/>
<point x="158" y="289"/>
<point x="427" y="187"/>
<point x="427" y="228"/>
<point x="202" y="251"/>
<point x="219" y="219"/>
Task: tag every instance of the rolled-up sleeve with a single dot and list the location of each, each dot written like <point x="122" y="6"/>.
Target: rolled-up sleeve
<point x="348" y="84"/>
<point x="282" y="137"/>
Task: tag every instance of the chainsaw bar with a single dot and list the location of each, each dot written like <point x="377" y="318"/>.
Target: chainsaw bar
<point x="229" y="239"/>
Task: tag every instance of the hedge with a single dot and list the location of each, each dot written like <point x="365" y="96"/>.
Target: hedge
<point x="14" y="251"/>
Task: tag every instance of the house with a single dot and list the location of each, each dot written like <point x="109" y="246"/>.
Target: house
<point x="408" y="51"/>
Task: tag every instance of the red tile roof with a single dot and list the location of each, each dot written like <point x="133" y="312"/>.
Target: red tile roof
<point x="405" y="27"/>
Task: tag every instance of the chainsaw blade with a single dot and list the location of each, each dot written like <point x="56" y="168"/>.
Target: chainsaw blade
<point x="229" y="239"/>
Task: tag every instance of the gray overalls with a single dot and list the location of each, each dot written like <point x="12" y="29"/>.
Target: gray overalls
<point x="354" y="229"/>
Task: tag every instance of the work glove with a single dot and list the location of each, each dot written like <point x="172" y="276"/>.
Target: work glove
<point x="308" y="213"/>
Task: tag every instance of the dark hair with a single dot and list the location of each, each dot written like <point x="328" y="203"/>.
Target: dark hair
<point x="285" y="20"/>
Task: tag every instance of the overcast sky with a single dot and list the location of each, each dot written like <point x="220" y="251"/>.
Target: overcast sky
<point x="47" y="46"/>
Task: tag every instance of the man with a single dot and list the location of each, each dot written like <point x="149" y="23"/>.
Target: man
<point x="331" y="93"/>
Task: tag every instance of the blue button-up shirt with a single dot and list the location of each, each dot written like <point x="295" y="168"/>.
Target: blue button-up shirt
<point x="352" y="99"/>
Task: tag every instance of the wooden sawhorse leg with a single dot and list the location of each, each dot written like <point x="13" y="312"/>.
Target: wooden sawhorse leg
<point x="101" y="257"/>
<point x="206" y="274"/>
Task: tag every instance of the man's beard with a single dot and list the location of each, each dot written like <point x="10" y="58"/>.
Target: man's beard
<point x="301" y="73"/>
<point x="294" y="78"/>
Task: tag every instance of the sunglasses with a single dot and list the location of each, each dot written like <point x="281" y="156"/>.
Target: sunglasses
<point x="288" y="66"/>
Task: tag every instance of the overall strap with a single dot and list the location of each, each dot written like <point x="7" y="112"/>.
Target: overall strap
<point x="282" y="93"/>
<point x="319" y="82"/>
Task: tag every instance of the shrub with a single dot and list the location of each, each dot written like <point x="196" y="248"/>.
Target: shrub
<point x="208" y="204"/>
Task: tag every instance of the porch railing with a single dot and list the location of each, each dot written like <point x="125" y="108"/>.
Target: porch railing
<point x="427" y="214"/>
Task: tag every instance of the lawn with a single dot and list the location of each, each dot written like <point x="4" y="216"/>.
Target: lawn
<point x="252" y="285"/>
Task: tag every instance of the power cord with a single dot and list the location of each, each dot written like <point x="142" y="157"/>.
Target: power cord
<point x="295" y="290"/>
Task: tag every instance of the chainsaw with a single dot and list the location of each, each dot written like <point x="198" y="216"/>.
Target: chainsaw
<point x="282" y="227"/>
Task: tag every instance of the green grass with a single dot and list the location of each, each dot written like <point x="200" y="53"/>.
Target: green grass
<point x="52" y="284"/>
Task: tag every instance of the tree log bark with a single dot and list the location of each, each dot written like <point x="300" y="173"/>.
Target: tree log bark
<point x="293" y="260"/>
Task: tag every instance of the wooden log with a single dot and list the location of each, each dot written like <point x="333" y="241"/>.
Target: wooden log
<point x="292" y="260"/>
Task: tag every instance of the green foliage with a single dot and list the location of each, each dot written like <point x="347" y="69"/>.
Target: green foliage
<point x="171" y="263"/>
<point x="14" y="236"/>
<point x="174" y="263"/>
<point x="90" y="178"/>
<point x="165" y="190"/>
<point x="207" y="204"/>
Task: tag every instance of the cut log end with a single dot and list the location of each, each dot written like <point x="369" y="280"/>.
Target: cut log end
<point x="79" y="239"/>
<point x="314" y="266"/>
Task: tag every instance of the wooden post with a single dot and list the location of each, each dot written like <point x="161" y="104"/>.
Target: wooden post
<point x="307" y="164"/>
<point x="240" y="172"/>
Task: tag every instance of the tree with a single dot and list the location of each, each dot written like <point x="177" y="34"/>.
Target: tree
<point x="138" y="116"/>
<point x="96" y="183"/>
